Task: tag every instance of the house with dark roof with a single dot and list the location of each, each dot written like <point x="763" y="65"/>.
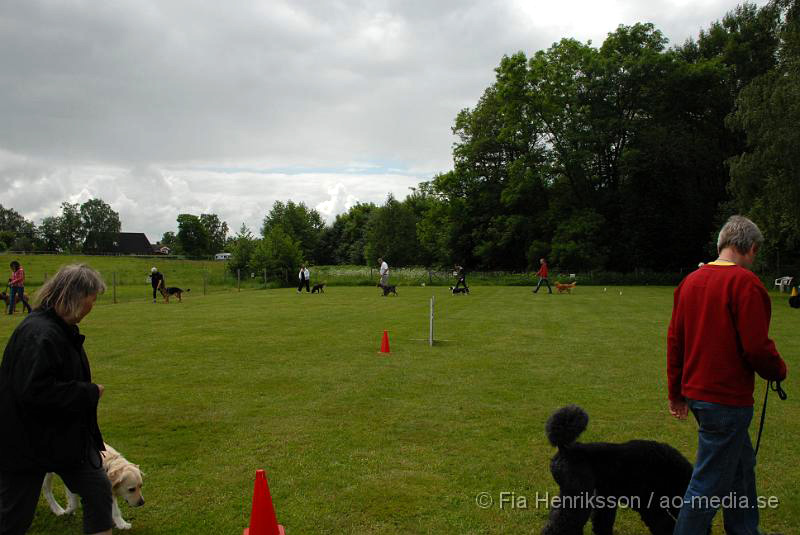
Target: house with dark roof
<point x="132" y="243"/>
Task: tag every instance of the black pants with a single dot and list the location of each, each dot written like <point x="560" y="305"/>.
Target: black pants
<point x="19" y="495"/>
<point x="462" y="280"/>
<point x="154" y="292"/>
<point x="543" y="281"/>
<point x="303" y="282"/>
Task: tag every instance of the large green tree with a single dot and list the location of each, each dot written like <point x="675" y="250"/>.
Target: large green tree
<point x="601" y="157"/>
<point x="304" y="225"/>
<point x="192" y="235"/>
<point x="48" y="235"/>
<point x="279" y="254"/>
<point x="241" y="248"/>
<point x="98" y="216"/>
<point x="71" y="231"/>
<point x="217" y="231"/>
<point x="345" y="240"/>
<point x="391" y="234"/>
<point x="765" y="178"/>
<point x="16" y="232"/>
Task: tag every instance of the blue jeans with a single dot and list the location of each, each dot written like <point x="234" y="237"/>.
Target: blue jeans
<point x="15" y="291"/>
<point x="724" y="473"/>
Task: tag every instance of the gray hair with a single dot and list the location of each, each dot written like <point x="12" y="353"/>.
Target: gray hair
<point x="65" y="291"/>
<point x="739" y="233"/>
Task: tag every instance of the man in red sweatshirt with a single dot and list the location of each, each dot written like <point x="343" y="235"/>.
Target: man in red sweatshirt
<point x="542" y="274"/>
<point x="717" y="341"/>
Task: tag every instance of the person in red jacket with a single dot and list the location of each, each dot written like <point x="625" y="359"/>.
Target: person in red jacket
<point x="542" y="274"/>
<point x="717" y="341"/>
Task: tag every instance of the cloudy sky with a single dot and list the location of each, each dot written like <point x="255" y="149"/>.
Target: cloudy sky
<point x="161" y="107"/>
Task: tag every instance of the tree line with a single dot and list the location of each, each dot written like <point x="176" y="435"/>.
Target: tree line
<point x="623" y="156"/>
<point x="65" y="232"/>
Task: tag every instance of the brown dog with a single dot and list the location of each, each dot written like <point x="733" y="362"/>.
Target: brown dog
<point x="565" y="287"/>
<point x="26" y="306"/>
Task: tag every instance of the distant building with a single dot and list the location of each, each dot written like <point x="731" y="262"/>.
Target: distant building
<point x="222" y="256"/>
<point x="161" y="249"/>
<point x="131" y="243"/>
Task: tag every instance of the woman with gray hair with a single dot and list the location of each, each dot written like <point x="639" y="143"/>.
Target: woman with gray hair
<point x="48" y="406"/>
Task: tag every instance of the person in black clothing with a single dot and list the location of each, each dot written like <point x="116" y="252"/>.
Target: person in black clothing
<point x="48" y="407"/>
<point x="462" y="277"/>
<point x="157" y="281"/>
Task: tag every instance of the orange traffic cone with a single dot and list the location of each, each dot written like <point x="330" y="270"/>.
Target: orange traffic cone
<point x="262" y="517"/>
<point x="385" y="343"/>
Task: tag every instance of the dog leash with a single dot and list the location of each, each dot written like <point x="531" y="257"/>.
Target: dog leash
<point x="775" y="386"/>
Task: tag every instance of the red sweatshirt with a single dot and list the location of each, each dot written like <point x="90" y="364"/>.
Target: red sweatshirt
<point x="17" y="278"/>
<point x="718" y="337"/>
<point x="542" y="271"/>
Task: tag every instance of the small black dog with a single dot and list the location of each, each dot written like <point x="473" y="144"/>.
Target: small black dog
<point x="647" y="476"/>
<point x="318" y="288"/>
<point x="173" y="290"/>
<point x="388" y="289"/>
<point x="463" y="290"/>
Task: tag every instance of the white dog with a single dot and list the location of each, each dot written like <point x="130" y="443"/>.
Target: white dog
<point x="126" y="482"/>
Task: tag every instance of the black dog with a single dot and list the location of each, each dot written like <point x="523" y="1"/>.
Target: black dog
<point x="26" y="306"/>
<point x="173" y="290"/>
<point x="389" y="288"/>
<point x="463" y="290"/>
<point x="647" y="476"/>
<point x="318" y="288"/>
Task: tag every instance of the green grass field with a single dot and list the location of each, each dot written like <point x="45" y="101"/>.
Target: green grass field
<point x="203" y="393"/>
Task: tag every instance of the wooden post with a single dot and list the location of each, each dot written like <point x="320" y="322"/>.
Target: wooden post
<point x="265" y="277"/>
<point x="114" y="278"/>
<point x="238" y="279"/>
<point x="205" y="282"/>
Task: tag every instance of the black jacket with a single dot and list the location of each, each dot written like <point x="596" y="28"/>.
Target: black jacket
<point x="48" y="404"/>
<point x="155" y="278"/>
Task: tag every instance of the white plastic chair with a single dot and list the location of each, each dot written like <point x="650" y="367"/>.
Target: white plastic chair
<point x="784" y="283"/>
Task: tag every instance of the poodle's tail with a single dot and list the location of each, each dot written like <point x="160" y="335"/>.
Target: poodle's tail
<point x="565" y="425"/>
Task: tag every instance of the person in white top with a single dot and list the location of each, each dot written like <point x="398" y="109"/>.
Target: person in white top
<point x="303" y="277"/>
<point x="384" y="272"/>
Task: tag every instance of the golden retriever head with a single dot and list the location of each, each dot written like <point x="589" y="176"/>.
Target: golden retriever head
<point x="126" y="482"/>
<point x="125" y="477"/>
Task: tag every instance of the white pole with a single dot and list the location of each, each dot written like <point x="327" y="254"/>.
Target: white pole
<point x="430" y="331"/>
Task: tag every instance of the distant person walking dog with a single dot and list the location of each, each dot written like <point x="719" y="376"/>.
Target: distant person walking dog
<point x="384" y="271"/>
<point x="542" y="274"/>
<point x="157" y="281"/>
<point x="718" y="339"/>
<point x="303" y="279"/>
<point x="461" y="276"/>
<point x="16" y="284"/>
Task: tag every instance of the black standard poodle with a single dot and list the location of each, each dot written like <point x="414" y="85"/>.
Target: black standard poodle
<point x="594" y="478"/>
